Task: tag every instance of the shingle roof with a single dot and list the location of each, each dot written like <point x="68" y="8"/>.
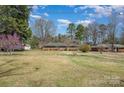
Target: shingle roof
<point x="118" y="45"/>
<point x="109" y="45"/>
<point x="51" y="44"/>
<point x="55" y="44"/>
<point x="73" y="45"/>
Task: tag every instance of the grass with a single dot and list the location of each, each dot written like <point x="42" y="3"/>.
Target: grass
<point x="61" y="68"/>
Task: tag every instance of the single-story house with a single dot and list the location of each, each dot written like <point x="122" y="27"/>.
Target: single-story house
<point x="72" y="47"/>
<point x="18" y="47"/>
<point x="108" y="47"/>
<point x="60" y="47"/>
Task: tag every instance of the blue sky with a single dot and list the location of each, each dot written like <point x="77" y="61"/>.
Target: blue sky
<point x="63" y="15"/>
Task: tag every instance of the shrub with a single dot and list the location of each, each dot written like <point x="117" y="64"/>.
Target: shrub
<point x="9" y="42"/>
<point x="85" y="48"/>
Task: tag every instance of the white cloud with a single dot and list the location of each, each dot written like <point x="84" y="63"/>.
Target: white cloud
<point x="35" y="7"/>
<point x="63" y="22"/>
<point x="118" y="7"/>
<point x="100" y="11"/>
<point x="35" y="16"/>
<point x="83" y="7"/>
<point x="77" y="9"/>
<point x="42" y="6"/>
<point x="46" y="14"/>
<point x="85" y="22"/>
<point x="91" y="15"/>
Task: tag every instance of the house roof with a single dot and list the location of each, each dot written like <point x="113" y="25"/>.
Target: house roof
<point x="51" y="44"/>
<point x="73" y="45"/>
<point x="118" y="45"/>
<point x="108" y="46"/>
<point x="55" y="45"/>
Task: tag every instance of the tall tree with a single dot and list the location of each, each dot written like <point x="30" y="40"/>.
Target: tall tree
<point x="93" y="31"/>
<point x="14" y="19"/>
<point x="122" y="36"/>
<point x="59" y="37"/>
<point x="102" y="32"/>
<point x="86" y="35"/>
<point x="44" y="29"/>
<point x="80" y="31"/>
<point x="112" y="29"/>
<point x="71" y="30"/>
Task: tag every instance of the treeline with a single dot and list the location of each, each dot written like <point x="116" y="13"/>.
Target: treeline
<point x="14" y="20"/>
<point x="93" y="34"/>
<point x="97" y="33"/>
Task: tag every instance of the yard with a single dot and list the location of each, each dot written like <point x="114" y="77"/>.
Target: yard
<point x="61" y="68"/>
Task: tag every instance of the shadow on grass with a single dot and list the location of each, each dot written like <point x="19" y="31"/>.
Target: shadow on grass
<point x="14" y="54"/>
<point x="7" y="62"/>
<point x="12" y="71"/>
<point x="82" y="55"/>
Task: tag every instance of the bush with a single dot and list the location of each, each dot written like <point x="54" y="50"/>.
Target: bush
<point x="85" y="48"/>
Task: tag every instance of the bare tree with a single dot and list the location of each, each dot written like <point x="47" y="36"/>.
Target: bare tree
<point x="86" y="35"/>
<point x="39" y="28"/>
<point x="102" y="32"/>
<point x="93" y="32"/>
<point x="44" y="29"/>
<point x="49" y="30"/>
<point x="112" y="29"/>
<point x="122" y="37"/>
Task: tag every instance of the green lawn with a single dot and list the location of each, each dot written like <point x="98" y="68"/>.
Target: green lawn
<point x="61" y="68"/>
